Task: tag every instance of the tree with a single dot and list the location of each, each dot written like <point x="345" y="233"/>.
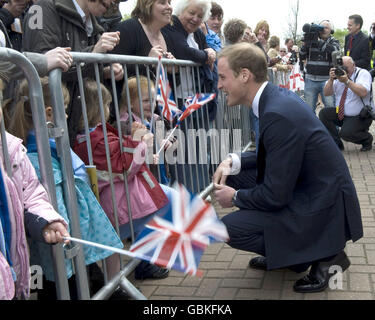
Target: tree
<point x="292" y="31"/>
<point x="126" y="16"/>
<point x="340" y="35"/>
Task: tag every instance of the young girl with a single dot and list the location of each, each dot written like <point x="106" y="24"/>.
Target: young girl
<point x="94" y="224"/>
<point x="24" y="203"/>
<point x="147" y="196"/>
<point x="136" y="116"/>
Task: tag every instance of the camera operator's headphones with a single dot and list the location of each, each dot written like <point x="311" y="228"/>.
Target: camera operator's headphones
<point x="331" y="24"/>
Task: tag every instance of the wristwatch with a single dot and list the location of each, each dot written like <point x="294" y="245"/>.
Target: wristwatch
<point x="234" y="197"/>
<point x="347" y="83"/>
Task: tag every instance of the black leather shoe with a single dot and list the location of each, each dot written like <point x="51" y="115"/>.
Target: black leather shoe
<point x="317" y="279"/>
<point x="258" y="263"/>
<point x="368" y="145"/>
<point x="366" y="148"/>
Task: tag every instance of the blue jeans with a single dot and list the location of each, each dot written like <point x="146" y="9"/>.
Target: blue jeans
<point x="312" y="90"/>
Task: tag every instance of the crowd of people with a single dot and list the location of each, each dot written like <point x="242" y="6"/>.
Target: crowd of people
<point x="191" y="30"/>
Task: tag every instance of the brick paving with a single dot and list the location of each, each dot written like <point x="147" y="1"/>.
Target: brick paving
<point x="226" y="275"/>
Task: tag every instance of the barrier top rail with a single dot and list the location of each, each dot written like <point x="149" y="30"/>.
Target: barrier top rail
<point x="126" y="59"/>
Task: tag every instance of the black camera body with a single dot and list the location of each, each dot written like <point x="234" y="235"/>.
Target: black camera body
<point x="293" y="58"/>
<point x="337" y="63"/>
<point x="367" y="112"/>
<point x="311" y="34"/>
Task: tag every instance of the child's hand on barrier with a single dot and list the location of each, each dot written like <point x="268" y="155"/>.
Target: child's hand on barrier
<point x="54" y="233"/>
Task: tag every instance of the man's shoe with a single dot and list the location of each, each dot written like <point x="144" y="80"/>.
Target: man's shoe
<point x="367" y="146"/>
<point x="318" y="278"/>
<point x="258" y="263"/>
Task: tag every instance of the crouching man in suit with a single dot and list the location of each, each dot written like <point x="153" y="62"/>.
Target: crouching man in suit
<point x="298" y="204"/>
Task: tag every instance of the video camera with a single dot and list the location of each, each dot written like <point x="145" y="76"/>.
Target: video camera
<point x="337" y="63"/>
<point x="311" y="34"/>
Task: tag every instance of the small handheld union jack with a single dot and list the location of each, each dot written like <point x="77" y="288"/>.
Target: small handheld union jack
<point x="194" y="103"/>
<point x="178" y="240"/>
<point x="165" y="97"/>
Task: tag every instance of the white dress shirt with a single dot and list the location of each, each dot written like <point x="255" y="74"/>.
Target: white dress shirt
<point x="236" y="160"/>
<point x="353" y="102"/>
<point x="86" y="20"/>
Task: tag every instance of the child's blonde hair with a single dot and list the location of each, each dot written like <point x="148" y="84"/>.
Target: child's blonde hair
<point x="133" y="91"/>
<point x="18" y="115"/>
<point x="92" y="104"/>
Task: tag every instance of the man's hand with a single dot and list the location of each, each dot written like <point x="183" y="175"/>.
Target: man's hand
<point x="222" y="172"/>
<point x="332" y="74"/>
<point x="59" y="58"/>
<point x="343" y="78"/>
<point x="224" y="195"/>
<point x="107" y="42"/>
<point x="54" y="233"/>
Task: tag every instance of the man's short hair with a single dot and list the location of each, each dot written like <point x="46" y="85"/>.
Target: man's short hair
<point x="274" y="42"/>
<point x="216" y="10"/>
<point x="234" y="30"/>
<point x="287" y="40"/>
<point x="248" y="56"/>
<point x="357" y="19"/>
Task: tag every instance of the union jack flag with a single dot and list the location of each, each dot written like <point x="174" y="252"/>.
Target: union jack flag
<point x="179" y="239"/>
<point x="194" y="103"/>
<point x="165" y="97"/>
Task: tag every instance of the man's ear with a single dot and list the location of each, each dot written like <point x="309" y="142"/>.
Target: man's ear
<point x="246" y="75"/>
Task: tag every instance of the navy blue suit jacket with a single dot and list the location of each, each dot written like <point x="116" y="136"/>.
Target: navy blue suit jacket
<point x="360" y="53"/>
<point x="303" y="188"/>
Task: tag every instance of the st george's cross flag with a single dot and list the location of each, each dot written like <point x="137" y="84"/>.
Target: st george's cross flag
<point x="178" y="240"/>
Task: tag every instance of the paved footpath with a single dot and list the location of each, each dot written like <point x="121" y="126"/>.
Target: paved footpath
<point x="226" y="274"/>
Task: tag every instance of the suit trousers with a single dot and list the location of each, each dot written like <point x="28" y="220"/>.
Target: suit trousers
<point x="353" y="129"/>
<point x="246" y="227"/>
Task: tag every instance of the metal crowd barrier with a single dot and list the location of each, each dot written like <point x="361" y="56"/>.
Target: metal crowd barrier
<point x="229" y="132"/>
<point x="44" y="154"/>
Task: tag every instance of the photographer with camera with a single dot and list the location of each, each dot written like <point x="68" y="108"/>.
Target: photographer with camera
<point x="316" y="52"/>
<point x="352" y="88"/>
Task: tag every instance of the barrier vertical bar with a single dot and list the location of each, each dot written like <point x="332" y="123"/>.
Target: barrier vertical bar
<point x="63" y="149"/>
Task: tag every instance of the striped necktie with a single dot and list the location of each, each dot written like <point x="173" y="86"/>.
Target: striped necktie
<point x="342" y="104"/>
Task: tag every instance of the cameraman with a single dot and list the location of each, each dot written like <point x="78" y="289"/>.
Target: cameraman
<point x="318" y="61"/>
<point x="354" y="113"/>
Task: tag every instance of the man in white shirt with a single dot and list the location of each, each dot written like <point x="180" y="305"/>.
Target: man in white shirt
<point x="352" y="92"/>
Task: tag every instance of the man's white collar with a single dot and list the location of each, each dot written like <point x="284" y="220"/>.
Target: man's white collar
<point x="255" y="105"/>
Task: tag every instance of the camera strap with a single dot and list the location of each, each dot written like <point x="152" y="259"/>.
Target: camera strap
<point x="355" y="78"/>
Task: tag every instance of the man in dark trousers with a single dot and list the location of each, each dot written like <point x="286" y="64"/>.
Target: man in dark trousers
<point x="298" y="204"/>
<point x="357" y="43"/>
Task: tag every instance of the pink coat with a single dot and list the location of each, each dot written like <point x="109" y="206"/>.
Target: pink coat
<point x="146" y="195"/>
<point x="24" y="192"/>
